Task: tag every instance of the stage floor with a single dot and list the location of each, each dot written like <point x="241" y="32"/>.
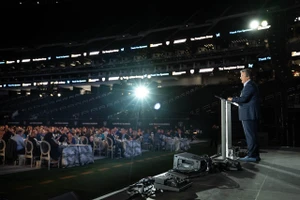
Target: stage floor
<point x="275" y="177"/>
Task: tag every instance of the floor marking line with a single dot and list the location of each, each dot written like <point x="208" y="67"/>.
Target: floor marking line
<point x="103" y="169"/>
<point x="129" y="163"/>
<point x="67" y="177"/>
<point x="87" y="172"/>
<point x="118" y="165"/>
<point x="46" y="182"/>
<point x="24" y="187"/>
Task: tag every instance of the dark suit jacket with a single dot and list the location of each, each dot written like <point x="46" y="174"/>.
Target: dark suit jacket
<point x="124" y="136"/>
<point x="55" y="152"/>
<point x="36" y="148"/>
<point x="249" y="103"/>
<point x="11" y="150"/>
<point x="112" y="137"/>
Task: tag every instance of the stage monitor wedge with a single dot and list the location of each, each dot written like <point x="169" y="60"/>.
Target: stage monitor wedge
<point x="187" y="162"/>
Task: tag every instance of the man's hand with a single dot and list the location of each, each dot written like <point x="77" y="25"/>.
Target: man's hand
<point x="229" y="99"/>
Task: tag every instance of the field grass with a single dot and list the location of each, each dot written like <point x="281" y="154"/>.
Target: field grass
<point x="90" y="181"/>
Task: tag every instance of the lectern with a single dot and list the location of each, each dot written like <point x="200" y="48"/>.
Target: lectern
<point x="228" y="155"/>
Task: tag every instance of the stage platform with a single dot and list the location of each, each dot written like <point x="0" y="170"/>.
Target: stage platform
<point x="275" y="177"/>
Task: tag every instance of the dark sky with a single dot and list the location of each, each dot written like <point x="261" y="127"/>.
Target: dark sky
<point x="81" y="20"/>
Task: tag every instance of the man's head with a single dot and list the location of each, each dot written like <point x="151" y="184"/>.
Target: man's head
<point x="245" y="75"/>
<point x="179" y="131"/>
<point x="20" y="131"/>
<point x="33" y="133"/>
<point x="123" y="131"/>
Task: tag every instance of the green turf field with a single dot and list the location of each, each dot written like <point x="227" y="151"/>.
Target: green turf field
<point x="90" y="181"/>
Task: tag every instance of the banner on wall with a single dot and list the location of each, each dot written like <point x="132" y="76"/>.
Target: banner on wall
<point x="121" y="123"/>
<point x="90" y="123"/>
<point x="61" y="123"/>
<point x="13" y="123"/>
<point x="159" y="124"/>
<point x="36" y="123"/>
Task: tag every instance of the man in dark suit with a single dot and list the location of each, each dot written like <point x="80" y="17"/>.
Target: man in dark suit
<point x="249" y="113"/>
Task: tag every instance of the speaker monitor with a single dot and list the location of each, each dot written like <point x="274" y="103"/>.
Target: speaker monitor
<point x="187" y="162"/>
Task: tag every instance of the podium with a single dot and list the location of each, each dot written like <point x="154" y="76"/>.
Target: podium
<point x="228" y="157"/>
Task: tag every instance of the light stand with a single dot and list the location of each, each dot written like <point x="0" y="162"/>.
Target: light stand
<point x="138" y="116"/>
<point x="140" y="92"/>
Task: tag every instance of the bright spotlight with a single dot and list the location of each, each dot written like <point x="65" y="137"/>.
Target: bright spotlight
<point x="141" y="92"/>
<point x="157" y="106"/>
<point x="254" y="24"/>
<point x="264" y="23"/>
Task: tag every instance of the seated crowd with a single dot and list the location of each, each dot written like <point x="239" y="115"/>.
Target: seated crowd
<point x="156" y="139"/>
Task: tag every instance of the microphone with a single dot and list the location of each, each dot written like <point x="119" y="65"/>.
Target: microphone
<point x="218" y="97"/>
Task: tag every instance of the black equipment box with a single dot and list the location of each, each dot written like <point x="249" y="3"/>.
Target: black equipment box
<point x="187" y="162"/>
<point x="171" y="181"/>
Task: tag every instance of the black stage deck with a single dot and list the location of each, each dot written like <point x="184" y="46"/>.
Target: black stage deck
<point x="275" y="177"/>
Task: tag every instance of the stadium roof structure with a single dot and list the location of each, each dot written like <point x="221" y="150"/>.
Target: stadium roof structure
<point x="75" y="28"/>
<point x="68" y="21"/>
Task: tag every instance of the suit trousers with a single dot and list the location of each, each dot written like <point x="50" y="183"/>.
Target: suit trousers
<point x="250" y="128"/>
